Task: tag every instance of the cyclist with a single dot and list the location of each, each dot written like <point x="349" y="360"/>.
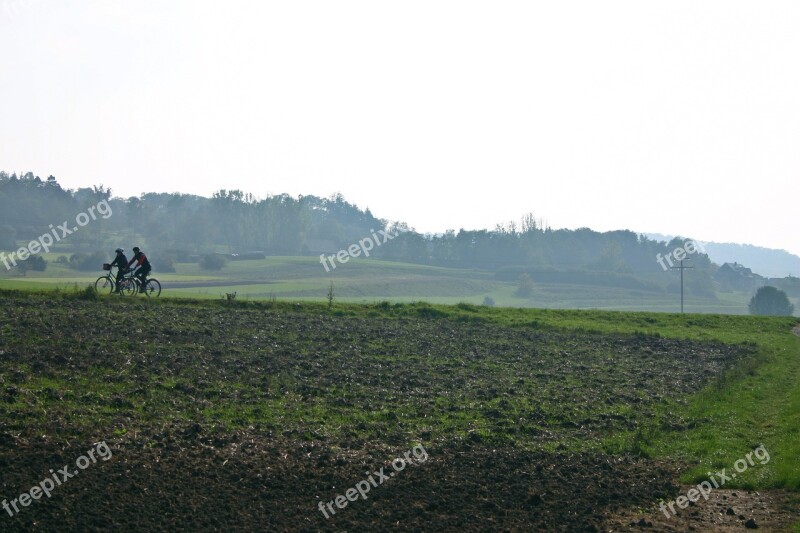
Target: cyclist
<point x="142" y="264"/>
<point x="121" y="262"/>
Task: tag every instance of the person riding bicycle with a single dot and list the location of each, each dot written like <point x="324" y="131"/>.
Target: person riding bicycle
<point x="121" y="262"/>
<point x="142" y="265"/>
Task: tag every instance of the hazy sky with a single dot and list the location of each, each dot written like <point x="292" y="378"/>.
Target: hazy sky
<point x="678" y="117"/>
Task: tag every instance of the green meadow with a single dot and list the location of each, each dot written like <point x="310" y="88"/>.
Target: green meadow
<point x="368" y="281"/>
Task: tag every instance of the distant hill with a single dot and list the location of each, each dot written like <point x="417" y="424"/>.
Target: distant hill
<point x="767" y="262"/>
<point x="175" y="227"/>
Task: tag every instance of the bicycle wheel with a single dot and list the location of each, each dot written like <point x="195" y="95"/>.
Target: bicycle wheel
<point x="152" y="288"/>
<point x="128" y="287"/>
<point x="104" y="285"/>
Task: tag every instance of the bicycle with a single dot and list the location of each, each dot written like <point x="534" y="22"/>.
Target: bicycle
<point x="106" y="284"/>
<point x="129" y="285"/>
<point x="151" y="288"/>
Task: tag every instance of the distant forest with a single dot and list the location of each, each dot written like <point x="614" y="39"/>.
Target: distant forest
<point x="176" y="226"/>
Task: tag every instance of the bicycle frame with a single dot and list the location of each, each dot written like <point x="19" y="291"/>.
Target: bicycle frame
<point x="126" y="276"/>
<point x="129" y="280"/>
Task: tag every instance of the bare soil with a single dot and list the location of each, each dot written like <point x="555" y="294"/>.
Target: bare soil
<point x="189" y="482"/>
<point x="227" y="419"/>
<point x="725" y="511"/>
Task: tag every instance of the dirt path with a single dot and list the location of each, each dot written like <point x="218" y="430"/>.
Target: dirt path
<point x="725" y="511"/>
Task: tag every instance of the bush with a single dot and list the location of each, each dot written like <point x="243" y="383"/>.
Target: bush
<point x="212" y="262"/>
<point x="488" y="301"/>
<point x="34" y="262"/>
<point x="770" y="301"/>
<point x="37" y="263"/>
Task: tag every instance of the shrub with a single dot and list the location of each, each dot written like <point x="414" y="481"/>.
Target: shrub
<point x="488" y="301"/>
<point x="37" y="263"/>
<point x="212" y="262"/>
<point x="770" y="301"/>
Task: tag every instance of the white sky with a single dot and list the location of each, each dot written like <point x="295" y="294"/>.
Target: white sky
<point x="678" y="117"/>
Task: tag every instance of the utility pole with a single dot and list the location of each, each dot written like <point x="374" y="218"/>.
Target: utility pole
<point x="682" y="268"/>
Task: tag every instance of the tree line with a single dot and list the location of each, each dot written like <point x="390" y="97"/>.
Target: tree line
<point x="177" y="225"/>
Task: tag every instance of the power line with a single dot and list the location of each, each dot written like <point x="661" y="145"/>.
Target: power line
<point x="682" y="268"/>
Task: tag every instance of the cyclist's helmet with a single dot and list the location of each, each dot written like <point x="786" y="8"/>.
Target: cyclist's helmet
<point x="119" y="250"/>
<point x="135" y="248"/>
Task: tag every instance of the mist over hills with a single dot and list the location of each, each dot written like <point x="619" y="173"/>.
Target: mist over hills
<point x="768" y="262"/>
<point x="179" y="228"/>
<point x="237" y="222"/>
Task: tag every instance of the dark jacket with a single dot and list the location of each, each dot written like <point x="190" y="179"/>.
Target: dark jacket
<point x="141" y="260"/>
<point x="120" y="261"/>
